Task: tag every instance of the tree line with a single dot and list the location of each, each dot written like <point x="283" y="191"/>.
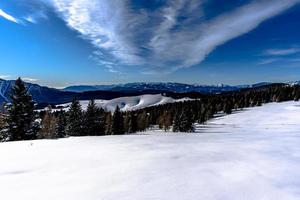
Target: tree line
<point x="21" y="122"/>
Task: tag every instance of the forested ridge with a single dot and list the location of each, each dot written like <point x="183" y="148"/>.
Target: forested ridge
<point x="21" y="122"/>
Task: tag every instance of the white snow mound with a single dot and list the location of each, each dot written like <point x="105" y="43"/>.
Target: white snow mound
<point x="131" y="103"/>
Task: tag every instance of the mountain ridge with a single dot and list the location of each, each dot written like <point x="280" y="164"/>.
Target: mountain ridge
<point x="46" y="95"/>
<point x="162" y="86"/>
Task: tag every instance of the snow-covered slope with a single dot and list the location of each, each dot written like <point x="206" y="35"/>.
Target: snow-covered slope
<point x="130" y="103"/>
<point x="250" y="155"/>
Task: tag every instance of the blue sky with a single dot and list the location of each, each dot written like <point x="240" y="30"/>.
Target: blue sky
<point x="65" y="42"/>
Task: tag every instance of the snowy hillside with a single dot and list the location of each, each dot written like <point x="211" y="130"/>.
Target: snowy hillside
<point x="249" y="155"/>
<point x="130" y="103"/>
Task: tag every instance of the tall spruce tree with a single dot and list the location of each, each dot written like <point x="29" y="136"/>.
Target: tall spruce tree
<point x="183" y="122"/>
<point x="3" y="133"/>
<point x="186" y="124"/>
<point x="74" y="125"/>
<point x="117" y="127"/>
<point x="126" y="122"/>
<point x="61" y="125"/>
<point x="296" y="93"/>
<point x="227" y="109"/>
<point x="93" y="124"/>
<point x="21" y="113"/>
<point x="132" y="126"/>
<point x="176" y="122"/>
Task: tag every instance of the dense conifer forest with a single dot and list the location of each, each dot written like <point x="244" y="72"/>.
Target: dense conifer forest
<point x="21" y="122"/>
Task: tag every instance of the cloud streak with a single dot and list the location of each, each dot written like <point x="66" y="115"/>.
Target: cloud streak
<point x="268" y="61"/>
<point x="28" y="79"/>
<point x="5" y="76"/>
<point x="281" y="52"/>
<point x="173" y="36"/>
<point x="8" y="17"/>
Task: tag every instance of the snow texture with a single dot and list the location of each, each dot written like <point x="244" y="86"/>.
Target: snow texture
<point x="249" y="155"/>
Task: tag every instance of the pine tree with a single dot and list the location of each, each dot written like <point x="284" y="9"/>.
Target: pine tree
<point x="296" y="94"/>
<point x="126" y="122"/>
<point x="282" y="96"/>
<point x="93" y="124"/>
<point x="60" y="131"/>
<point x="132" y="126"/>
<point x="2" y="121"/>
<point x="2" y="128"/>
<point x="209" y="112"/>
<point x="74" y="125"/>
<point x="176" y="122"/>
<point x="183" y="122"/>
<point x="228" y="106"/>
<point x="186" y="124"/>
<point x="101" y="117"/>
<point x="21" y="113"/>
<point x="117" y="123"/>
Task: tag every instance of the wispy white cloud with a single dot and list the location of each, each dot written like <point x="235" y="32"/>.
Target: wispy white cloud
<point x="285" y="60"/>
<point x="268" y="61"/>
<point x="28" y="79"/>
<point x="8" y="17"/>
<point x="36" y="16"/>
<point x="281" y="52"/>
<point x="157" y="40"/>
<point x="5" y="76"/>
<point x="31" y="19"/>
<point x="190" y="47"/>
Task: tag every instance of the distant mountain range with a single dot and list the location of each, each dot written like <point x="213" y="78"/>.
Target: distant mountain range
<point x="165" y="87"/>
<point x="39" y="93"/>
<point x="45" y="95"/>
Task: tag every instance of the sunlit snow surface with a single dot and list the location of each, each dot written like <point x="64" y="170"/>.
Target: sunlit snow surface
<point x="254" y="154"/>
<point x="130" y="103"/>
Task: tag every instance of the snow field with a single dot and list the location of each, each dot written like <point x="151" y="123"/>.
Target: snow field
<point x="249" y="155"/>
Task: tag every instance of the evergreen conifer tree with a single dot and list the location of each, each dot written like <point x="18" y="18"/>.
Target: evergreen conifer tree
<point x="186" y="124"/>
<point x="21" y="113"/>
<point x="61" y="125"/>
<point x="183" y="122"/>
<point x="117" y="127"/>
<point x="296" y="94"/>
<point x="176" y="122"/>
<point x="2" y="128"/>
<point x="132" y="126"/>
<point x="74" y="125"/>
<point x="227" y="106"/>
<point x="93" y="124"/>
